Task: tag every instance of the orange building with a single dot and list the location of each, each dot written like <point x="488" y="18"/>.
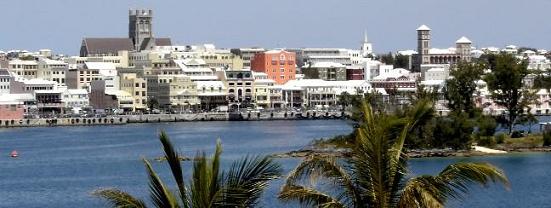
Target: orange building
<point x="279" y="65"/>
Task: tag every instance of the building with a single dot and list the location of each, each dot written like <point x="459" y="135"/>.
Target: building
<point x="279" y="65"/>
<point x="25" y="68"/>
<point x="53" y="70"/>
<point x="81" y="77"/>
<point x="427" y="55"/>
<point x="140" y="37"/>
<point x="49" y="102"/>
<point x="100" y="100"/>
<point x="5" y="80"/>
<point x="75" y="100"/>
<point x="240" y="86"/>
<point x="247" y="55"/>
<point x="262" y="90"/>
<point x="212" y="94"/>
<point x="11" y="109"/>
<point x="317" y="93"/>
<point x="22" y="85"/>
<point x="329" y="71"/>
<point x="355" y="72"/>
<point x="183" y="93"/>
<point x="137" y="88"/>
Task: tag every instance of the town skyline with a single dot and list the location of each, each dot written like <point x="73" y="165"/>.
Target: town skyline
<point x="345" y="28"/>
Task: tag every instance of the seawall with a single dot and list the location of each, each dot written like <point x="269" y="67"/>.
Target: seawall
<point x="158" y="118"/>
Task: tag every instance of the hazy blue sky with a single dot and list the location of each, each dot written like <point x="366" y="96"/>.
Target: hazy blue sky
<point x="61" y="24"/>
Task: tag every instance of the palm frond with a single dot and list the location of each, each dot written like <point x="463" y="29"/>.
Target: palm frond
<point x="119" y="199"/>
<point x="247" y="179"/>
<point x="215" y="176"/>
<point x="306" y="196"/>
<point x="173" y="159"/>
<point x="200" y="184"/>
<point x="160" y="194"/>
<point x="316" y="166"/>
<point x="459" y="175"/>
<point x="423" y="191"/>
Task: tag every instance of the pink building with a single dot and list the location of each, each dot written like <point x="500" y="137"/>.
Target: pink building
<point x="11" y="111"/>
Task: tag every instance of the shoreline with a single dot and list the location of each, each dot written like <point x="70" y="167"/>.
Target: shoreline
<point x="166" y="118"/>
<point x="430" y="153"/>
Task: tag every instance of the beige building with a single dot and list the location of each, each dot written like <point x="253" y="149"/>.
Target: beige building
<point x="222" y="59"/>
<point x="262" y="88"/>
<point x="136" y="87"/>
<point x="175" y="91"/>
<point x="53" y="70"/>
<point x="28" y="69"/>
<point x="120" y="60"/>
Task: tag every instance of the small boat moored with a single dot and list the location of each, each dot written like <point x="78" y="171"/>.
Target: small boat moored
<point x="14" y="154"/>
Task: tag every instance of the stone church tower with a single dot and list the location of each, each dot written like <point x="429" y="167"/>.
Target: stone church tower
<point x="140" y="26"/>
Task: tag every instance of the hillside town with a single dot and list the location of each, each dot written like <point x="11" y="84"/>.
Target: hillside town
<point x="143" y="73"/>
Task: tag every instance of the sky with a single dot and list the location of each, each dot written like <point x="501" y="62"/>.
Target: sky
<point x="60" y="25"/>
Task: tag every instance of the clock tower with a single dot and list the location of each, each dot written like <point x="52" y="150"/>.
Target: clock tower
<point x="423" y="45"/>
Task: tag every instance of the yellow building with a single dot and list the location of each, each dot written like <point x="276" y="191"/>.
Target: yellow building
<point x="137" y="88"/>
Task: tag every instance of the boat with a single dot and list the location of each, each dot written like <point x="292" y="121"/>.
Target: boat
<point x="14" y="154"/>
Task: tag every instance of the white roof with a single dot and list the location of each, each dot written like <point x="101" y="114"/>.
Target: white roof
<point x="201" y="84"/>
<point x="53" y="62"/>
<point x="422" y="28"/>
<point x="442" y="51"/>
<point x="326" y="65"/>
<point x="76" y="91"/>
<point x="463" y="40"/>
<point x="100" y="65"/>
<point x="394" y="73"/>
<point x="436" y="70"/>
<point x="407" y="52"/>
<point x="37" y="82"/>
<point x="23" y="62"/>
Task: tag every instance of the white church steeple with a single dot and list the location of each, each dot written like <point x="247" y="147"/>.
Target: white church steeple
<point x="367" y="47"/>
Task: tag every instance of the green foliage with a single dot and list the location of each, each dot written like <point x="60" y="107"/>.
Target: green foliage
<point x="547" y="138"/>
<point x="500" y="138"/>
<point x="376" y="174"/>
<point x="459" y="90"/>
<point x="487" y="126"/>
<point x="241" y="186"/>
<point x="453" y="131"/>
<point x="487" y="141"/>
<point x="505" y="84"/>
<point x="387" y="58"/>
<point x="401" y="61"/>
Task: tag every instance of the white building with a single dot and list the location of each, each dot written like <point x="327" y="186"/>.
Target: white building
<point x="75" y="99"/>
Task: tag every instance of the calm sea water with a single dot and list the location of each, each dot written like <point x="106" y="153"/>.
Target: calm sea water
<point x="59" y="167"/>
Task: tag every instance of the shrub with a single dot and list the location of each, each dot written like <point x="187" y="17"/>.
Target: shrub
<point x="517" y="134"/>
<point x="500" y="138"/>
<point x="547" y="138"/>
<point x="487" y="141"/>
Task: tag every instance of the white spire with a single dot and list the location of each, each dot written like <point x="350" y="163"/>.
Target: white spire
<point x="365" y="36"/>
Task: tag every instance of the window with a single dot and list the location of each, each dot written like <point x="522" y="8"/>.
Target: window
<point x="282" y="70"/>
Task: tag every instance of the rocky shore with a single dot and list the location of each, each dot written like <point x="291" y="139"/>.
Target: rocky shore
<point x="417" y="153"/>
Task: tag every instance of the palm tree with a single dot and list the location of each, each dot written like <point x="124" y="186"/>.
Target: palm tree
<point x="240" y="186"/>
<point x="376" y="173"/>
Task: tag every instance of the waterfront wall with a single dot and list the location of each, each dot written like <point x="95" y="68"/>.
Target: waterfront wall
<point x="158" y="118"/>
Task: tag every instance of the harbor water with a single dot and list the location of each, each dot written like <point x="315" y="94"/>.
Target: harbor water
<point x="61" y="166"/>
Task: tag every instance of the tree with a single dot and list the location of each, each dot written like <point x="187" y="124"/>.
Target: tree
<point x="387" y="58"/>
<point x="460" y="89"/>
<point x="241" y="186"/>
<point x="375" y="174"/>
<point x="505" y="84"/>
<point x="152" y="103"/>
<point x="529" y="119"/>
<point x="401" y="61"/>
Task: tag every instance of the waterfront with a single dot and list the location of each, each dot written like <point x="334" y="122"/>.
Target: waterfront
<point x="60" y="166"/>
